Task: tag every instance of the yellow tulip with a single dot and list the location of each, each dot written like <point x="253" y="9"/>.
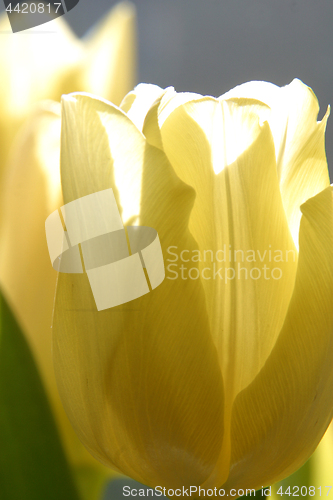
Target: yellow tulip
<point x="52" y="62"/>
<point x="35" y="68"/>
<point x="221" y="376"/>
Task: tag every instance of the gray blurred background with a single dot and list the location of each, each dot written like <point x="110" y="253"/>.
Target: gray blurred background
<point x="209" y="46"/>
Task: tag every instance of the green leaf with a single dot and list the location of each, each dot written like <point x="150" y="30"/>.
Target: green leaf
<point x="32" y="462"/>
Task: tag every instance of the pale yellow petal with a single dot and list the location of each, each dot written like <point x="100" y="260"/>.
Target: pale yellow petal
<point x="54" y="62"/>
<point x="109" y="66"/>
<point x="137" y="103"/>
<point x="30" y="191"/>
<point x="299" y="141"/>
<point x="304" y="170"/>
<point x="81" y="173"/>
<point x="146" y="101"/>
<point x="280" y="418"/>
<point x="265" y="92"/>
<point x="222" y="151"/>
<point x="148" y="105"/>
<point x="171" y="100"/>
<point x="140" y="382"/>
<point x="33" y="67"/>
<point x="151" y="128"/>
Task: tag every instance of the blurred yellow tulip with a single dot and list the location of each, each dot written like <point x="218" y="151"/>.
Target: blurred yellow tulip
<point x="49" y="60"/>
<point x="221" y="377"/>
<point x="35" y="68"/>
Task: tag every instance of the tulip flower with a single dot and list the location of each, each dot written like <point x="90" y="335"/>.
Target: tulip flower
<point x="222" y="375"/>
<point x="53" y="61"/>
<point x="31" y="187"/>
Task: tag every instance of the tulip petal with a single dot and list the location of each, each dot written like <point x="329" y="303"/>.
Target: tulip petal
<point x="151" y="128"/>
<point x="108" y="69"/>
<point x="31" y="191"/>
<point x="137" y="103"/>
<point x="227" y="156"/>
<point x="140" y="382"/>
<point x="172" y="100"/>
<point x="148" y="106"/>
<point x="304" y="171"/>
<point x="81" y="173"/>
<point x="280" y="418"/>
<point x="143" y="100"/>
<point x="299" y="141"/>
<point x="222" y="151"/>
<point x="31" y="71"/>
